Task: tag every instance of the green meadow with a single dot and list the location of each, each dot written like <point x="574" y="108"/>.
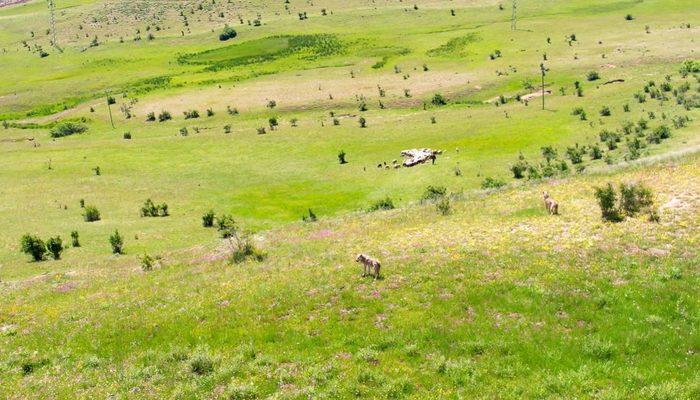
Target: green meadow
<point x="482" y="295"/>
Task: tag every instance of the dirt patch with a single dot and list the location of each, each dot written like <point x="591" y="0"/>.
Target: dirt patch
<point x="534" y="95"/>
<point x="5" y="3"/>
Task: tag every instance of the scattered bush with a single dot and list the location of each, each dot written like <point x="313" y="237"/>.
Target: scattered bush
<point x="444" y="206"/>
<point x="147" y="263"/>
<point x="151" y="116"/>
<point x="383" y="204"/>
<point x="164" y="116"/>
<point x="75" y="239"/>
<point x="208" y="219"/>
<point x="363" y="122"/>
<point x="593" y="76"/>
<point x="433" y="193"/>
<point x="67" y="129"/>
<point x="116" y="242"/>
<point x="227" y="33"/>
<point x="55" y="246"/>
<point x="33" y="246"/>
<point x="127" y="135"/>
<point x="150" y="209"/>
<point x="191" y="114"/>
<point x="341" y="157"/>
<point x="575" y="154"/>
<point x="633" y="199"/>
<point x="492" y="183"/>
<point x="438" y="100"/>
<point x="91" y="214"/>
<point x="605" y="111"/>
<point x="518" y="169"/>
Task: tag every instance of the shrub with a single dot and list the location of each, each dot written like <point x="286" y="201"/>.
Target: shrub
<point x="433" y="193"/>
<point x="55" y="246"/>
<point x="164" y="116"/>
<point x="605" y="111"/>
<point x="549" y="153"/>
<point x="151" y="116"/>
<point x="363" y="122"/>
<point x="67" y="129"/>
<point x="595" y="152"/>
<point x="492" y="183"/>
<point x="518" y="169"/>
<point x="444" y="206"/>
<point x="191" y="114"/>
<point x="626" y="108"/>
<point x="75" y="239"/>
<point x="273" y="123"/>
<point x="33" y="246"/>
<point x="227" y="129"/>
<point x="91" y="214"/>
<point x="438" y="100"/>
<point x="262" y="130"/>
<point x="147" y="263"/>
<point x="593" y="76"/>
<point x="210" y="112"/>
<point x="127" y="135"/>
<point x="208" y="219"/>
<point x="575" y="154"/>
<point x="607" y="200"/>
<point x="383" y="204"/>
<point x="227" y="33"/>
<point x="116" y="242"/>
<point x="629" y="17"/>
<point x="659" y="134"/>
<point x="225" y="224"/>
<point x="634" y="199"/>
<point x="231" y="111"/>
<point x="341" y="157"/>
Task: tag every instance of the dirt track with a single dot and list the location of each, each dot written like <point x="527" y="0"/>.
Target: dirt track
<point x="4" y="3"/>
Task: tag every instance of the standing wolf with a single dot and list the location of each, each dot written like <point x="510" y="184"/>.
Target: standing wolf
<point x="550" y="204"/>
<point x="369" y="265"/>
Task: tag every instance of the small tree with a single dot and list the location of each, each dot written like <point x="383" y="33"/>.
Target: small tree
<point x="147" y="263"/>
<point x="341" y="157"/>
<point x="208" y="219"/>
<point x="117" y="243"/>
<point x="438" y="100"/>
<point x="33" y="246"/>
<point x="91" y="214"/>
<point x="55" y="246"/>
<point x="363" y="122"/>
<point x="444" y="206"/>
<point x="593" y="76"/>
<point x="75" y="239"/>
<point x="227" y="33"/>
<point x="607" y="200"/>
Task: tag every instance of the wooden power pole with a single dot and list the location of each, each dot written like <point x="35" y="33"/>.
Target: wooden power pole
<point x="544" y="70"/>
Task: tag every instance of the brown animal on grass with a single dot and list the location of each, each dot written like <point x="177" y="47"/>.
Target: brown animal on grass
<point x="370" y="265"/>
<point x="550" y="204"/>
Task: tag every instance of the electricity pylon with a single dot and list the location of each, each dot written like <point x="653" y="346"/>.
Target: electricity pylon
<point x="52" y="22"/>
<point x="514" y="16"/>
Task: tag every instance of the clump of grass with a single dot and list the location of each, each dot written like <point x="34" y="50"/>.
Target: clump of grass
<point x="91" y="214"/>
<point x="384" y="204"/>
<point x="492" y="183"/>
<point x="68" y="129"/>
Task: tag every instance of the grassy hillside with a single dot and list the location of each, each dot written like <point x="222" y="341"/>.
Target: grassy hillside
<point x="496" y="299"/>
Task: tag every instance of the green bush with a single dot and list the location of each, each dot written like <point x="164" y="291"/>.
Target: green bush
<point x="341" y="157"/>
<point x="444" y="206"/>
<point x="147" y="263"/>
<point x="518" y="169"/>
<point x="150" y="209"/>
<point x="164" y="116"/>
<point x="91" y="214"/>
<point x="492" y="183"/>
<point x="383" y="204"/>
<point x="607" y="200"/>
<point x="433" y="193"/>
<point x="55" y="246"/>
<point x="438" y="100"/>
<point x="575" y="154"/>
<point x="208" y="219"/>
<point x="227" y="33"/>
<point x="67" y="129"/>
<point x="593" y="76"/>
<point x="191" y="114"/>
<point x="605" y="111"/>
<point x="33" y="246"/>
<point x="117" y="243"/>
<point x="75" y="239"/>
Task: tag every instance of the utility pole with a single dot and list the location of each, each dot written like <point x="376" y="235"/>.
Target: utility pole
<point x="109" y="107"/>
<point x="514" y="16"/>
<point x="52" y="22"/>
<point x="544" y="72"/>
